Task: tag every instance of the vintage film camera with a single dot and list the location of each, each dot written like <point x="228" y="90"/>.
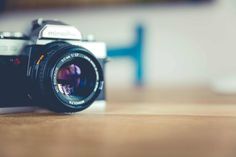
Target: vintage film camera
<point x="52" y="67"/>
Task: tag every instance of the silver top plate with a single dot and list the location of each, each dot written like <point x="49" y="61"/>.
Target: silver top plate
<point x="60" y="32"/>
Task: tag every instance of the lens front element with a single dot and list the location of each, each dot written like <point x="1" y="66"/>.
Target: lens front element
<point x="76" y="79"/>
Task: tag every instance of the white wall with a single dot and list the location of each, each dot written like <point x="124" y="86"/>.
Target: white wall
<point x="185" y="44"/>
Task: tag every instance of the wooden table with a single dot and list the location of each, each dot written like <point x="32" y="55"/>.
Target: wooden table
<point x="140" y="123"/>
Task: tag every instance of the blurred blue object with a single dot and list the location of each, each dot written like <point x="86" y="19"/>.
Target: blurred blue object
<point x="135" y="52"/>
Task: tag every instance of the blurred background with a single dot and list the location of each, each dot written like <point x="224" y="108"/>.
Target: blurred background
<point x="171" y="81"/>
<point x="152" y="43"/>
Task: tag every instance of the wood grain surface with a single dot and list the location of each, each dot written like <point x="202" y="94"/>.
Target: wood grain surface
<point x="137" y="122"/>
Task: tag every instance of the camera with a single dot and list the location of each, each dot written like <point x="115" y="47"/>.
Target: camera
<point x="52" y="67"/>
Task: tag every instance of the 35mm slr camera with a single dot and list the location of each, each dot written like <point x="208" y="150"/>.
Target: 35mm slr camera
<point x="52" y="67"/>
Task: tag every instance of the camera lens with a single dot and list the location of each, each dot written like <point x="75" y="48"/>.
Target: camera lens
<point x="76" y="79"/>
<point x="69" y="78"/>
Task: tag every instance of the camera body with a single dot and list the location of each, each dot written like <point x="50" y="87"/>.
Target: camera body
<point x="52" y="67"/>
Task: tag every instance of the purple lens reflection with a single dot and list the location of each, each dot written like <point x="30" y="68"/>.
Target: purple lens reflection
<point x="68" y="79"/>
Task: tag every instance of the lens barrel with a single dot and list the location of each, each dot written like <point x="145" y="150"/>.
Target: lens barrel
<point x="67" y="78"/>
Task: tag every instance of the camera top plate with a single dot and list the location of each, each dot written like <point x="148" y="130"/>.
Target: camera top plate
<point x="54" y="29"/>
